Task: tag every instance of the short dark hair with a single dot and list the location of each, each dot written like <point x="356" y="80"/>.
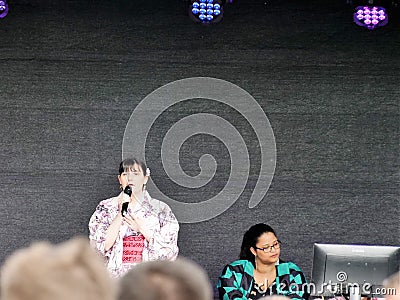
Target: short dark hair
<point x="128" y="163"/>
<point x="250" y="239"/>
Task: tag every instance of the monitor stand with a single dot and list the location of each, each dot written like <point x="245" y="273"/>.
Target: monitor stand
<point x="354" y="292"/>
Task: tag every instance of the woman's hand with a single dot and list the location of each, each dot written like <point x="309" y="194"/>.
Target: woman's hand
<point x="123" y="198"/>
<point x="131" y="222"/>
<point x="138" y="225"/>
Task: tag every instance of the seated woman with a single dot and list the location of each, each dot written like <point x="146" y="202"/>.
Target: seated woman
<point x="145" y="230"/>
<point x="260" y="272"/>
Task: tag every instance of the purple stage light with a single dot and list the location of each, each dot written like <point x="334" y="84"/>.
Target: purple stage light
<point x="370" y="17"/>
<point x="3" y="9"/>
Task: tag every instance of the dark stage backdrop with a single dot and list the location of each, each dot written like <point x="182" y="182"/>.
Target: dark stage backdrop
<point x="72" y="73"/>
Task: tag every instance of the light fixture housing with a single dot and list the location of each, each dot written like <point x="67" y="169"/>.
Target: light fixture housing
<point x="206" y="11"/>
<point x="370" y="17"/>
<point x="3" y="8"/>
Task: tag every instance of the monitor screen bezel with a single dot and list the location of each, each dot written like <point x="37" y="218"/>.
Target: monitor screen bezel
<point x="322" y="252"/>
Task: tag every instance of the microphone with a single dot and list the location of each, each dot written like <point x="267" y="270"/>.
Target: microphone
<point x="124" y="208"/>
<point x="128" y="190"/>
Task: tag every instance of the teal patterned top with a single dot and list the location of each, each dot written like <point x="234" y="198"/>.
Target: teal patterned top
<point x="236" y="281"/>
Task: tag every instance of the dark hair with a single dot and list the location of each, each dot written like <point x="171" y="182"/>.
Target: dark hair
<point x="250" y="239"/>
<point x="128" y="163"/>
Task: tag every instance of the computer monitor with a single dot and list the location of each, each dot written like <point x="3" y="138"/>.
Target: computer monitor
<point x="352" y="270"/>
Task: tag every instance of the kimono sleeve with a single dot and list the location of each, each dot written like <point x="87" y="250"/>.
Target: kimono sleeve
<point x="228" y="286"/>
<point x="298" y="286"/>
<point x="163" y="245"/>
<point x="98" y="225"/>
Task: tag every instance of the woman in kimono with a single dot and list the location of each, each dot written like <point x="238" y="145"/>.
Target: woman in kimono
<point x="133" y="227"/>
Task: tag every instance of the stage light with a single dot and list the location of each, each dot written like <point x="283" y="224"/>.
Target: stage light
<point x="206" y="11"/>
<point x="370" y="17"/>
<point x="3" y="8"/>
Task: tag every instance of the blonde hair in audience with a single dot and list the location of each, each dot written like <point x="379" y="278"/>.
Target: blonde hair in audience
<point x="167" y="280"/>
<point x="68" y="271"/>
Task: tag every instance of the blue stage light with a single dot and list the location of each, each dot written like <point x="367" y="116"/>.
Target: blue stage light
<point x="206" y="11"/>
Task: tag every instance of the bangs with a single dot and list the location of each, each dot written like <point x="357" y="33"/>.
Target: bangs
<point x="129" y="164"/>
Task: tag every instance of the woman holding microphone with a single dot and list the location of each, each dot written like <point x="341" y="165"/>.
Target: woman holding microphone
<point x="133" y="227"/>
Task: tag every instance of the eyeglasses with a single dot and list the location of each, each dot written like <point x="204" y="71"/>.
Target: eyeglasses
<point x="275" y="246"/>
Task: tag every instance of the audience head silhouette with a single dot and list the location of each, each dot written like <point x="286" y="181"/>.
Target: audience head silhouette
<point x="71" y="270"/>
<point x="166" y="280"/>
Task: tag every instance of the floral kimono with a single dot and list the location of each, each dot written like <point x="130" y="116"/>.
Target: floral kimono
<point x="158" y="217"/>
